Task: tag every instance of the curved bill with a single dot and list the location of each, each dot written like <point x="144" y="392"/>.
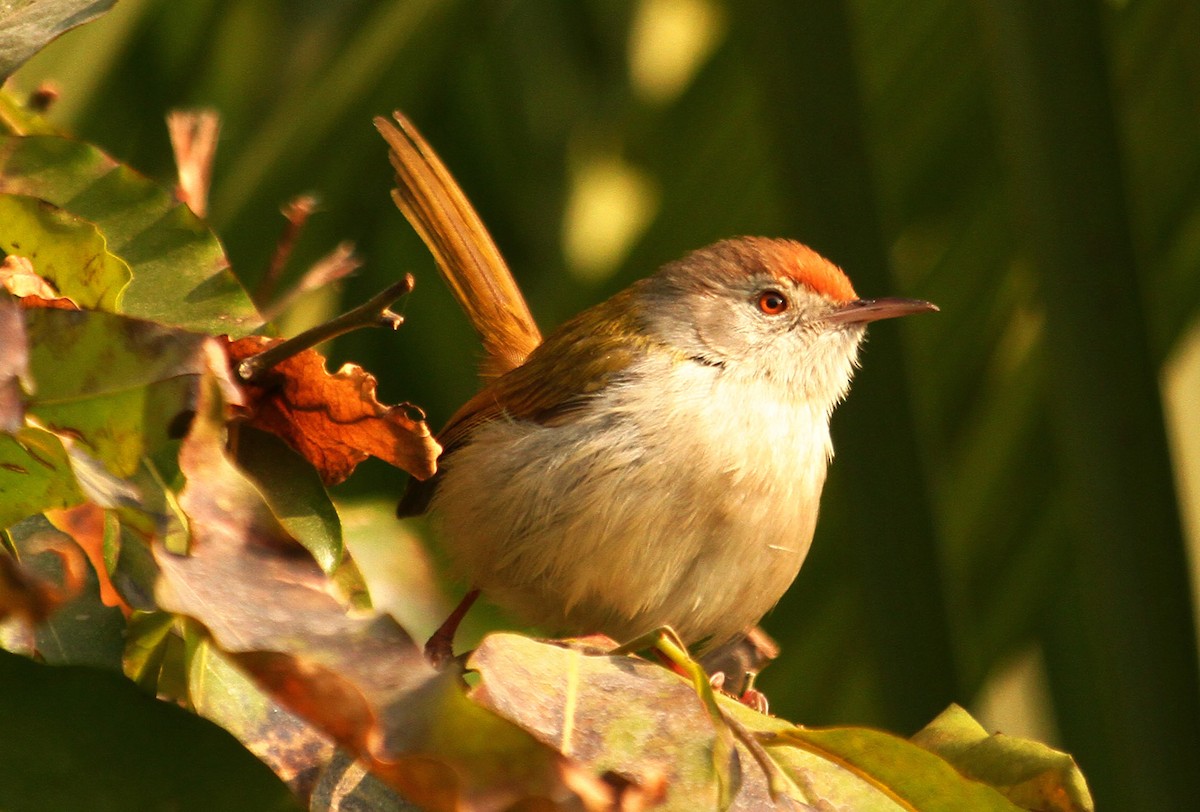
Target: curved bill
<point x="861" y="311"/>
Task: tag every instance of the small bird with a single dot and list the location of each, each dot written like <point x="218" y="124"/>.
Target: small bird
<point x="658" y="460"/>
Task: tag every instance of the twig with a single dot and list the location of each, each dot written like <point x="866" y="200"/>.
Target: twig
<point x="372" y="313"/>
<point x="194" y="142"/>
<point x="338" y="263"/>
<point x="297" y="211"/>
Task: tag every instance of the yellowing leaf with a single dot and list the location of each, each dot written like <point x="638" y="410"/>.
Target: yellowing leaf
<point x="64" y="249"/>
<point x="181" y="276"/>
<point x="1029" y="773"/>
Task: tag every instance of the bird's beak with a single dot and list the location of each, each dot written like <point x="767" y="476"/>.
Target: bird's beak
<point x="861" y="311"/>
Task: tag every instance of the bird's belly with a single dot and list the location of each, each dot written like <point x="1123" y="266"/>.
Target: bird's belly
<point x="604" y="526"/>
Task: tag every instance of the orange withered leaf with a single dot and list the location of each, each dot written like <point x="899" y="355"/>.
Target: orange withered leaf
<point x="333" y="419"/>
<point x="85" y="524"/>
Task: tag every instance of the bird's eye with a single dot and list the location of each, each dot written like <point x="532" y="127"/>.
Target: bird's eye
<point x="772" y="302"/>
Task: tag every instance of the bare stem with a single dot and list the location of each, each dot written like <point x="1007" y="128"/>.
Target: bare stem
<point x="372" y="313"/>
<point x="296" y="211"/>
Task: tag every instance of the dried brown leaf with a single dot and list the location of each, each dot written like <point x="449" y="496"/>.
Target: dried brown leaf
<point x="334" y="419"/>
<point x="359" y="679"/>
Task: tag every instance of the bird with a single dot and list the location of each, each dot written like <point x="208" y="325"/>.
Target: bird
<point x="658" y="460"/>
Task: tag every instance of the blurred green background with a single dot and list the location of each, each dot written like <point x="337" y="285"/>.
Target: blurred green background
<point x="1004" y="525"/>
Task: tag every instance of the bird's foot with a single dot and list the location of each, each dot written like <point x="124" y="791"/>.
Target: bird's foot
<point x="752" y="698"/>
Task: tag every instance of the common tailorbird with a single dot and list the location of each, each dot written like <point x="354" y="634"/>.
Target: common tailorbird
<point x="658" y="460"/>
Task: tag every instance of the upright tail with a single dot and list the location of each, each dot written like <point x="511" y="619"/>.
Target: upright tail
<point x="467" y="257"/>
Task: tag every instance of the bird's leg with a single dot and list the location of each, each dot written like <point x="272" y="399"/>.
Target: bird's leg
<point x="439" y="649"/>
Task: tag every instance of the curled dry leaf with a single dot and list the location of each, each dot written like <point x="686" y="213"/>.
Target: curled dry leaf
<point x="1028" y="773"/>
<point x="18" y="277"/>
<point x="334" y="419"/>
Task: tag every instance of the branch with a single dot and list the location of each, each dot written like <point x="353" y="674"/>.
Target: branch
<point x="372" y="313"/>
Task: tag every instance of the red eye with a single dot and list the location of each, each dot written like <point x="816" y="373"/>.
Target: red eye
<point x="772" y="302"/>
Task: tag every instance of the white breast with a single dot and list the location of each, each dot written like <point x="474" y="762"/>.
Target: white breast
<point x="690" y="504"/>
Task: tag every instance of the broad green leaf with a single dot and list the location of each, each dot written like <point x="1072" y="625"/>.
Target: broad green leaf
<point x="639" y="720"/>
<point x="295" y="494"/>
<point x="635" y="719"/>
<point x="117" y="384"/>
<point x="180" y="274"/>
<point x="82" y="738"/>
<point x="27" y="25"/>
<point x="68" y="251"/>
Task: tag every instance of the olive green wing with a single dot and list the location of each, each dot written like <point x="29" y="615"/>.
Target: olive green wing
<point x="580" y="359"/>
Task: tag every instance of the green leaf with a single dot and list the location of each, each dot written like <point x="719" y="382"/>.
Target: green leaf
<point x="68" y="251"/>
<point x="145" y="647"/>
<point x="27" y="25"/>
<point x="180" y="274"/>
<point x="1029" y="774"/>
<point x="294" y="492"/>
<point x="79" y="738"/>
<point x="628" y="716"/>
<point x="911" y="777"/>
<point x="17" y="119"/>
<point x="117" y="384"/>
<point x="83" y="631"/>
<point x="35" y="475"/>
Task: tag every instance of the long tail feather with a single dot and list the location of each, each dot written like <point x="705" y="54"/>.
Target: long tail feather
<point x="467" y="257"/>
